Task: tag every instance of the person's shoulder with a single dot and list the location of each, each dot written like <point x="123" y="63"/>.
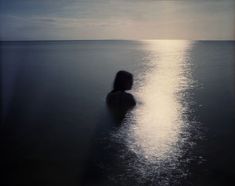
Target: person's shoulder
<point x="128" y="95"/>
<point x="130" y="98"/>
<point x="112" y="96"/>
<point x="120" y="94"/>
<point x="120" y="97"/>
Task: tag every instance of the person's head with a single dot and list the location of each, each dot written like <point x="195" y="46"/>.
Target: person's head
<point x="123" y="81"/>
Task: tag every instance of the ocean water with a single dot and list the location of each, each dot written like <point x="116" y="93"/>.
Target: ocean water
<point x="56" y="129"/>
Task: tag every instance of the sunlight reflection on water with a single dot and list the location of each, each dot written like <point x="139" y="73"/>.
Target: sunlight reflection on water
<point x="157" y="130"/>
<point x="160" y="117"/>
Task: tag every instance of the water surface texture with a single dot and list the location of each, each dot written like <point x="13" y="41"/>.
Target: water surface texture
<point x="56" y="129"/>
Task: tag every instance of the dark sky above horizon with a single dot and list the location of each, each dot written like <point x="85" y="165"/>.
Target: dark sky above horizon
<point x="117" y="19"/>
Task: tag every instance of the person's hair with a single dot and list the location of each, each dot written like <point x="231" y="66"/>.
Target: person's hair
<point x="123" y="81"/>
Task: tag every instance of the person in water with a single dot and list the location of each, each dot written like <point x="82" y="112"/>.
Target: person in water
<point x="119" y="101"/>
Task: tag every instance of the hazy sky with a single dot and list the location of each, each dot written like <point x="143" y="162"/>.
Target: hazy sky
<point x="117" y="19"/>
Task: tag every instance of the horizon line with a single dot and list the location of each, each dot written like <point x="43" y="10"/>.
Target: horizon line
<point x="43" y="40"/>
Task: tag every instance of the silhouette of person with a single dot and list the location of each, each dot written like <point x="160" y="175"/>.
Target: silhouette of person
<point x="119" y="101"/>
<point x="104" y="151"/>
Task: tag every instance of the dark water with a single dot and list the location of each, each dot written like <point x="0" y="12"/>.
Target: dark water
<point x="56" y="129"/>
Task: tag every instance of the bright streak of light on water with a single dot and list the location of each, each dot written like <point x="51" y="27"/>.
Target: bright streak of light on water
<point x="160" y="118"/>
<point x="157" y="130"/>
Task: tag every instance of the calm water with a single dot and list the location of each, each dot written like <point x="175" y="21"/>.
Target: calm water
<point x="56" y="129"/>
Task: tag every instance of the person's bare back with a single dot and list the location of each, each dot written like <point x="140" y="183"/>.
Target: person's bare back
<point x="119" y="101"/>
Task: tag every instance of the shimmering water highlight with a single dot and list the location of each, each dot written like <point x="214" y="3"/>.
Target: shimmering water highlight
<point x="157" y="130"/>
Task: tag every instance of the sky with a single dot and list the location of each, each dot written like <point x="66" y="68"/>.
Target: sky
<point x="117" y="19"/>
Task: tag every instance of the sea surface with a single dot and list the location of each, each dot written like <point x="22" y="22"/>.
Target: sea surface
<point x="57" y="130"/>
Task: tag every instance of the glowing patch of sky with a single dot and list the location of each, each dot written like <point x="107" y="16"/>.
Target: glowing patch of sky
<point x="112" y="19"/>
